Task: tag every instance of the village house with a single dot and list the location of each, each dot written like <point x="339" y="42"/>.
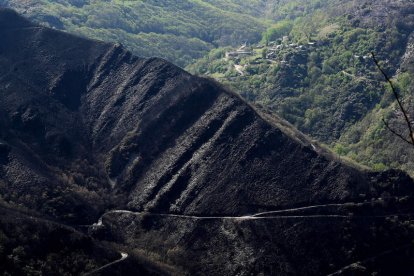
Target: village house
<point x="242" y="51"/>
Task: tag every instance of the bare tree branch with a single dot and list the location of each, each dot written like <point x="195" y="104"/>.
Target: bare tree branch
<point x="397" y="97"/>
<point x="395" y="132"/>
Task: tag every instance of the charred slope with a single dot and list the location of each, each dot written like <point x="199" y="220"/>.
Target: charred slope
<point x="85" y="127"/>
<point x="90" y="116"/>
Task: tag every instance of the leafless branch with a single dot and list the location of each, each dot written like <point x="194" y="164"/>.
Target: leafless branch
<point x="397" y="97"/>
<point x="395" y="132"/>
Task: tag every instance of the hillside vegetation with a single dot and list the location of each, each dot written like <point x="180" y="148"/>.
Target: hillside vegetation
<point x="179" y="31"/>
<point x="316" y="71"/>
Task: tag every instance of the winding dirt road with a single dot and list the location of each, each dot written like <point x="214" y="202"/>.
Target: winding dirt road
<point x="123" y="257"/>
<point x="258" y="216"/>
<point x="284" y="213"/>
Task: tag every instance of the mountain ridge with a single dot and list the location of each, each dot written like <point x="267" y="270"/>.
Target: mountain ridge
<point x="133" y="142"/>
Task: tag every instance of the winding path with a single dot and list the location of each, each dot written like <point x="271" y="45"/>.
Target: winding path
<point x="259" y="216"/>
<point x="123" y="257"/>
<point x="303" y="208"/>
<point x="239" y="69"/>
<point x="249" y="217"/>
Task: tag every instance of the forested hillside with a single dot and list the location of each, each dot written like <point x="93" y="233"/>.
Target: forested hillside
<point x="317" y="72"/>
<point x="177" y="30"/>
